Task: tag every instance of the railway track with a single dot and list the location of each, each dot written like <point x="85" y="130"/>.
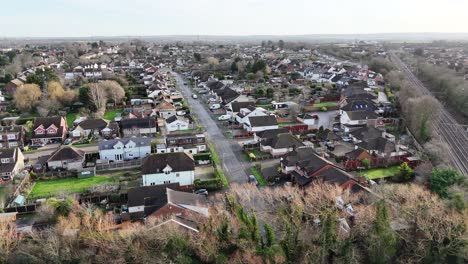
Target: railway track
<point x="444" y="124"/>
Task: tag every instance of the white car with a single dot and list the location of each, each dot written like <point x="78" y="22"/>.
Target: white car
<point x="224" y="117"/>
<point x="181" y="113"/>
<point x="347" y="139"/>
<point x="215" y="106"/>
<point x="194" y="96"/>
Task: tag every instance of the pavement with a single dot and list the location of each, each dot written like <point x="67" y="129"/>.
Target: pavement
<point x="228" y="150"/>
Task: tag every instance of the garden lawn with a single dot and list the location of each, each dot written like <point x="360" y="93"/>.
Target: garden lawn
<point x="70" y="118"/>
<point x="325" y="104"/>
<point x="258" y="175"/>
<point x="69" y="185"/>
<point x="380" y="173"/>
<point x="111" y="114"/>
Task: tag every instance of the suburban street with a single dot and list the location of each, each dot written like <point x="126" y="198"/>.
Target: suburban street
<point x="234" y="168"/>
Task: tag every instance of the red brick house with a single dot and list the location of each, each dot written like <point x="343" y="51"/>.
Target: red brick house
<point x="49" y="130"/>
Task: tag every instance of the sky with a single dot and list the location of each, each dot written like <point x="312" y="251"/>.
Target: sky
<point x="84" y="18"/>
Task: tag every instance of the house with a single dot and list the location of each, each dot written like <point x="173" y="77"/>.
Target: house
<point x="168" y="168"/>
<point x="111" y="131"/>
<point x="11" y="163"/>
<point x="177" y="123"/>
<point x="250" y="110"/>
<point x="12" y="136"/>
<point x="165" y="109"/>
<point x="89" y="126"/>
<point x="188" y="142"/>
<point x="143" y="201"/>
<point x="184" y="209"/>
<point x="359" y="119"/>
<point x="379" y="146"/>
<point x="49" y="130"/>
<point x="280" y="144"/>
<point x="358" y="154"/>
<point x="10" y="88"/>
<point x="260" y="123"/>
<point x="310" y="120"/>
<point x="305" y="166"/>
<point x="124" y="149"/>
<point x="68" y="158"/>
<point x="234" y="108"/>
<point x="138" y="127"/>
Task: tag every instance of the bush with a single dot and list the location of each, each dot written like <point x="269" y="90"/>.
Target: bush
<point x="209" y="184"/>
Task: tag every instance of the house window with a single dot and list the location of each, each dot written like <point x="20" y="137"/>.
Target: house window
<point x="152" y="184"/>
<point x="40" y="132"/>
<point x="177" y="174"/>
<point x="167" y="182"/>
<point x="13" y="144"/>
<point x="5" y="160"/>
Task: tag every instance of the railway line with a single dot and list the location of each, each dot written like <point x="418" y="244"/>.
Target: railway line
<point x="444" y="124"/>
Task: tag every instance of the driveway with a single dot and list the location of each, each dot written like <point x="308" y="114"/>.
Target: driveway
<point x="234" y="169"/>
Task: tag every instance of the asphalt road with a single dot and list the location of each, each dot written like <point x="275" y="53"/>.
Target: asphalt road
<point x="234" y="169"/>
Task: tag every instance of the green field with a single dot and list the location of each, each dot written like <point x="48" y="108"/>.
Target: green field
<point x="258" y="175"/>
<point x="380" y="173"/>
<point x="111" y="114"/>
<point x="68" y="185"/>
<point x="70" y="118"/>
<point x="325" y="104"/>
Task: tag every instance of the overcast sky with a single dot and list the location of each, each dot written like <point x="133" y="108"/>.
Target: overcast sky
<point x="81" y="18"/>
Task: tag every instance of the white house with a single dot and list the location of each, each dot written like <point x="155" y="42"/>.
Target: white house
<point x="260" y="123"/>
<point x="177" y="123"/>
<point x="177" y="167"/>
<point x="358" y="118"/>
<point x="250" y="111"/>
<point x="124" y="149"/>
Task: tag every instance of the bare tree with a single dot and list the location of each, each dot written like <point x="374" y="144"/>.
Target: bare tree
<point x="113" y="90"/>
<point x="99" y="97"/>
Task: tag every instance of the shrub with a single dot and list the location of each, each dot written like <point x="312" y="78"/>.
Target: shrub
<point x="209" y="184"/>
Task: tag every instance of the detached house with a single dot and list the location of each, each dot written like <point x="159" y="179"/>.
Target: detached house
<point x="124" y="149"/>
<point x="66" y="157"/>
<point x="189" y="143"/>
<point x="89" y="126"/>
<point x="177" y="167"/>
<point x="165" y="109"/>
<point x="178" y="123"/>
<point x="138" y="127"/>
<point x="11" y="163"/>
<point x="277" y="141"/>
<point x="49" y="130"/>
<point x="260" y="123"/>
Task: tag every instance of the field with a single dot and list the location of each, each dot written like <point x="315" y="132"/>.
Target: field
<point x="70" y="118"/>
<point x="380" y="173"/>
<point x="68" y="185"/>
<point x="111" y="114"/>
<point x="325" y="104"/>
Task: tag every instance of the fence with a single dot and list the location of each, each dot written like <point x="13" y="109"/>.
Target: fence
<point x="119" y="165"/>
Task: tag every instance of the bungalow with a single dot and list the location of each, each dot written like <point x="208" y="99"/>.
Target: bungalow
<point x="359" y="118"/>
<point x="249" y="111"/>
<point x="143" y="201"/>
<point x="66" y="157"/>
<point x="305" y="166"/>
<point x="280" y="144"/>
<point x="165" y="109"/>
<point x="11" y="163"/>
<point x="89" y="126"/>
<point x="124" y="149"/>
<point x="138" y="127"/>
<point x="49" y="130"/>
<point x="177" y="123"/>
<point x="379" y="146"/>
<point x="260" y="123"/>
<point x="310" y="120"/>
<point x="177" y="167"/>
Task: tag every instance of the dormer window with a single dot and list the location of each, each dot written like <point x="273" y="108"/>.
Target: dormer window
<point x="5" y="160"/>
<point x="40" y="132"/>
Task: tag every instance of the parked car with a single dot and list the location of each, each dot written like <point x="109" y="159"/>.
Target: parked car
<point x="224" y="117"/>
<point x="215" y="106"/>
<point x="253" y="180"/>
<point x="181" y="113"/>
<point x="67" y="141"/>
<point x="202" y="192"/>
<point x="194" y="96"/>
<point x="347" y="139"/>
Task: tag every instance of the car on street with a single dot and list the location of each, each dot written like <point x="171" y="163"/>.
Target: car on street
<point x="253" y="180"/>
<point x="224" y="117"/>
<point x="202" y="192"/>
<point x="215" y="106"/>
<point x="194" y="96"/>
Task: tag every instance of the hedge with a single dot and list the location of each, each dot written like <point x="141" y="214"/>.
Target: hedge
<point x="209" y="184"/>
